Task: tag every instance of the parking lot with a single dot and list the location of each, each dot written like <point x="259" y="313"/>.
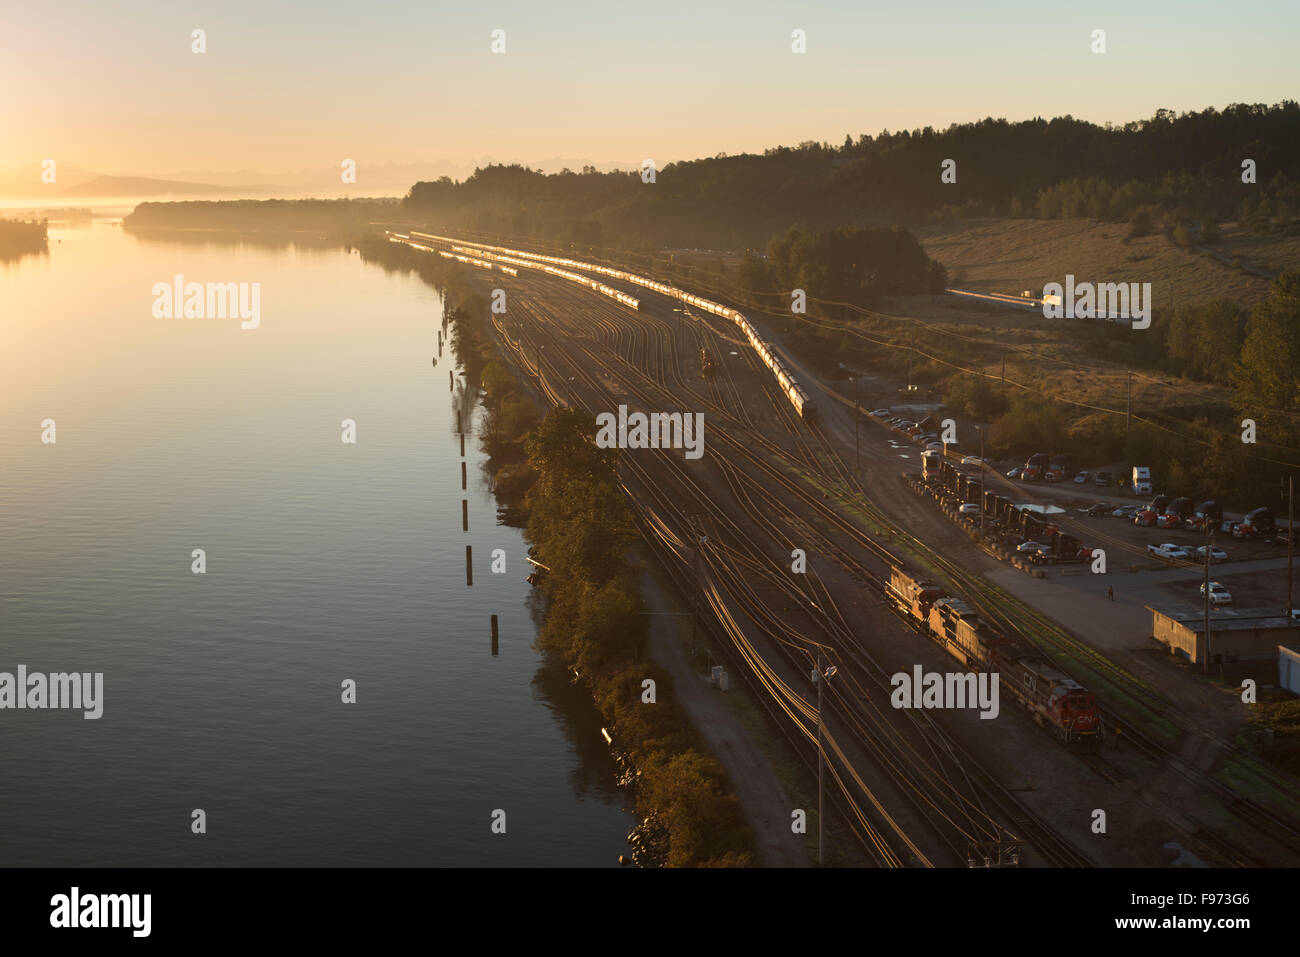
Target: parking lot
<point x="1089" y="510"/>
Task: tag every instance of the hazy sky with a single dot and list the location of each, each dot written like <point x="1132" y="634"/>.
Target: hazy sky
<point x="114" y="86"/>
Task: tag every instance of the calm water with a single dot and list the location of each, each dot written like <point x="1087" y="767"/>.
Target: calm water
<point x="325" y="562"/>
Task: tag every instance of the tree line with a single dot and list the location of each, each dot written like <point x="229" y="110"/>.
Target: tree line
<point x="1171" y="166"/>
<point x="20" y="237"/>
<point x="337" y="218"/>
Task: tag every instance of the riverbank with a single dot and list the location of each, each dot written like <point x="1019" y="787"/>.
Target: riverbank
<point x="552" y="480"/>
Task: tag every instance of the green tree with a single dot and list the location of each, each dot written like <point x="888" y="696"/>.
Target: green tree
<point x="1267" y="375"/>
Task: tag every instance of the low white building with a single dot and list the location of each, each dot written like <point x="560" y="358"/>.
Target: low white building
<point x="1288" y="668"/>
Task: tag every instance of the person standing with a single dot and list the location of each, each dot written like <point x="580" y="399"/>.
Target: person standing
<point x="1110" y="592"/>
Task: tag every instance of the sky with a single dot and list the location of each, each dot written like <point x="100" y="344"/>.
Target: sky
<point x="115" y="87"/>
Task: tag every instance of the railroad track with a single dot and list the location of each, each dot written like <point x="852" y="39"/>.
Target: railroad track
<point x="958" y="772"/>
<point x="648" y="349"/>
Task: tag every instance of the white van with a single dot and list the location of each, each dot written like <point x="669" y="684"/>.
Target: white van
<point x="1141" y="480"/>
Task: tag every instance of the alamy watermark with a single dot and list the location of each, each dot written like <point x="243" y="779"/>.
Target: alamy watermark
<point x="37" y="691"/>
<point x="75" y="909"/>
<point x="1106" y="300"/>
<point x="951" y="690"/>
<point x="179" y="299"/>
<point x="658" y="430"/>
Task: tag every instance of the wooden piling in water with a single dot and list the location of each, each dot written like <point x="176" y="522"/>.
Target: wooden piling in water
<point x="464" y="515"/>
<point x="494" y="636"/>
<point x="469" y="565"/>
<point x="463" y="477"/>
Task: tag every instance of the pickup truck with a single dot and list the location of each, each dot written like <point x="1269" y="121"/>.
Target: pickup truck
<point x="1169" y="551"/>
<point x="1218" y="594"/>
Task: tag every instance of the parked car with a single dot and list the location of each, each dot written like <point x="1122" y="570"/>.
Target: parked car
<point x="1030" y="547"/>
<point x="1218" y="594"/>
<point x="934" y="446"/>
<point x="1101" y="479"/>
<point x="1216" y="554"/>
<point x="1124" y="512"/>
<point x="970" y="508"/>
<point x="1015" y="473"/>
<point x="1170" y="551"/>
<point x="972" y="460"/>
<point x="1082" y="477"/>
<point x="880" y="413"/>
<point x="1098" y="510"/>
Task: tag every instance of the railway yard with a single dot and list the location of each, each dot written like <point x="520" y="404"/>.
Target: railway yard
<point x="915" y="787"/>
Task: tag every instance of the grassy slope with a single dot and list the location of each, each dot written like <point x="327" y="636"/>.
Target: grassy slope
<point x="1011" y="255"/>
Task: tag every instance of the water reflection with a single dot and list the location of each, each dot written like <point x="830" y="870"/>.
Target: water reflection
<point x="325" y="562"/>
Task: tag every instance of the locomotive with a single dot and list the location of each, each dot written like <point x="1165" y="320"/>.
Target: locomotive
<point x="1055" y="700"/>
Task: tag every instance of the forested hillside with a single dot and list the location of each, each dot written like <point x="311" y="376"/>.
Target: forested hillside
<point x="1176" y="170"/>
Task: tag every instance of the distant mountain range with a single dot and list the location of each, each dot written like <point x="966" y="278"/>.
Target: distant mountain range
<point x="143" y="186"/>
<point x="383" y="179"/>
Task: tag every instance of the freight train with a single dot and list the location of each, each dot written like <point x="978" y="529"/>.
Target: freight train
<point x="803" y="403"/>
<point x="458" y="253"/>
<point x="508" y="270"/>
<point x="1055" y="700"/>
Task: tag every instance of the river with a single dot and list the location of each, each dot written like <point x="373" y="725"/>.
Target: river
<point x="325" y="562"/>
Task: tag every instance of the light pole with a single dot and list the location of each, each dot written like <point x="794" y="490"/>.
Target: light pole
<point x="1209" y="538"/>
<point x="1290" y="538"/>
<point x="981" y="467"/>
<point x="857" y="419"/>
<point x="821" y="677"/>
<point x="700" y="541"/>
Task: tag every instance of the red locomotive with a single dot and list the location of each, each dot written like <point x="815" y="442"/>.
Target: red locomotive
<point x="1054" y="699"/>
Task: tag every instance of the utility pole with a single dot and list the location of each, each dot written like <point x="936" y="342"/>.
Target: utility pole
<point x="1290" y="537"/>
<point x="857" y="418"/>
<point x="695" y="595"/>
<point x="981" y="431"/>
<point x="821" y="677"/>
<point x="910" y="348"/>
<point x="821" y="760"/>
<point x="1209" y="539"/>
<point x="1128" y="411"/>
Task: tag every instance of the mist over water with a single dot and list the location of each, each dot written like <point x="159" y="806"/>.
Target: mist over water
<point x="325" y="562"/>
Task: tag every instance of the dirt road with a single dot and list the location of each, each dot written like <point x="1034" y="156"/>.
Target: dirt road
<point x="767" y="806"/>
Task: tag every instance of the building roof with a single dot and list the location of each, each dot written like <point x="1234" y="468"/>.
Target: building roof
<point x="1226" y="619"/>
